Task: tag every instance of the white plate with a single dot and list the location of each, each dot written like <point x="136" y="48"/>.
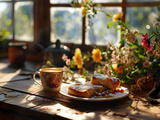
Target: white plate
<point x="64" y="91"/>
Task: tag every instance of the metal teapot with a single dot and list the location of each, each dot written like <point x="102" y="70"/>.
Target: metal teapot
<point x="54" y="53"/>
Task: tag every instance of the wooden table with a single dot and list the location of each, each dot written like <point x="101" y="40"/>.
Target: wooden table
<point x="21" y="99"/>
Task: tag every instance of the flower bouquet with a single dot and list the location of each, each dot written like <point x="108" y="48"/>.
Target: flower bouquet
<point x="138" y="62"/>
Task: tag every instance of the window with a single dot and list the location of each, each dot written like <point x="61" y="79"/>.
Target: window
<point x="98" y="33"/>
<point x="38" y="21"/>
<point x="16" y="17"/>
<point x="141" y="17"/>
<point x="68" y="25"/>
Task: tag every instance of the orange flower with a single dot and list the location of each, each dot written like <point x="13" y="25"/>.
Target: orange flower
<point x="83" y="11"/>
<point x="78" y="58"/>
<point x="120" y="69"/>
<point x="109" y="73"/>
<point x="117" y="16"/>
<point x="106" y="68"/>
<point x="116" y="68"/>
<point x="96" y="55"/>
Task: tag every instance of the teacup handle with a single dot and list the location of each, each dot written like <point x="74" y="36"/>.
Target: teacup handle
<point x="34" y="78"/>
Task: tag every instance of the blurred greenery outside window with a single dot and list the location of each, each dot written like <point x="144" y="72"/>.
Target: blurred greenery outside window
<point x="16" y="17"/>
<point x="142" y="18"/>
<point x="66" y="24"/>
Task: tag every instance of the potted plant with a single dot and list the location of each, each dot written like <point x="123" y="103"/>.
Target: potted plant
<point x="3" y="42"/>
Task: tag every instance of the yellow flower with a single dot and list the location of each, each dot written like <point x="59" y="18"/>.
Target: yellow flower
<point x="78" y="58"/>
<point x="96" y="55"/>
<point x="117" y="16"/>
<point x="114" y="66"/>
<point x="85" y="0"/>
<point x="83" y="11"/>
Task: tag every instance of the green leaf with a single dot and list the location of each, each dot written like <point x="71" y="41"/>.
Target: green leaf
<point x="110" y="24"/>
<point x="122" y="41"/>
<point x="122" y="32"/>
<point x="140" y="56"/>
<point x="89" y="16"/>
<point x="84" y="73"/>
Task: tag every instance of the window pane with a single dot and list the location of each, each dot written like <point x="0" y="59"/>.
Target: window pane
<point x="106" y="1"/>
<point x="23" y="0"/>
<point x="141" y="0"/>
<point x="99" y="34"/>
<point x="66" y="25"/>
<point x="95" y="1"/>
<point x="24" y="21"/>
<point x="6" y="17"/>
<point x="140" y="17"/>
<point x="60" y="1"/>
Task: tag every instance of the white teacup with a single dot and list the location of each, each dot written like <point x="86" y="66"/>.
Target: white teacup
<point x="51" y="78"/>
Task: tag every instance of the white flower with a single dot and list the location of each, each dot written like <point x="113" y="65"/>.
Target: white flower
<point x="149" y="52"/>
<point x="68" y="62"/>
<point x="130" y="36"/>
<point x="64" y="57"/>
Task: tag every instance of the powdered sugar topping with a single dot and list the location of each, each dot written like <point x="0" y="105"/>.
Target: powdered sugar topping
<point x="114" y="79"/>
<point x="101" y="76"/>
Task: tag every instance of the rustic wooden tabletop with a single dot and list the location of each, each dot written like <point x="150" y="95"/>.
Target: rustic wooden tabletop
<point x="21" y="98"/>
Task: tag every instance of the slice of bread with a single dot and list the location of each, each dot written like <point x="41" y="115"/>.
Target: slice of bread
<point x="99" y="88"/>
<point x="110" y="82"/>
<point x="85" y="90"/>
<point x="81" y="90"/>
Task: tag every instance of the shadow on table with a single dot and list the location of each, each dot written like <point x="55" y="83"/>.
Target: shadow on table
<point x="119" y="108"/>
<point x="10" y="73"/>
<point x="89" y="106"/>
